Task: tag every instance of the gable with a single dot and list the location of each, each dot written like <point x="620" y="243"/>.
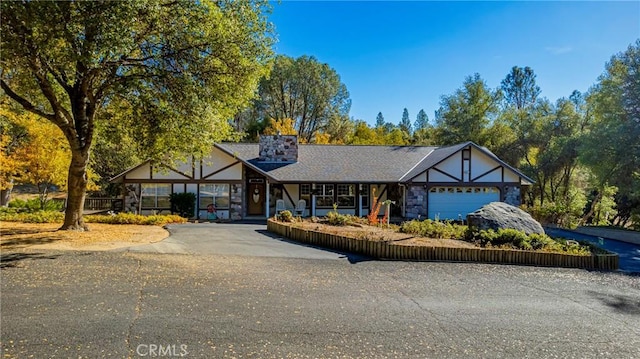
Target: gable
<point x="141" y="172"/>
<point x="219" y="165"/>
<point x="147" y="171"/>
<point x="178" y="171"/>
<point x="470" y="164"/>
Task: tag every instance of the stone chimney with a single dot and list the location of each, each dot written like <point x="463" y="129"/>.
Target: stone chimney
<point x="278" y="148"/>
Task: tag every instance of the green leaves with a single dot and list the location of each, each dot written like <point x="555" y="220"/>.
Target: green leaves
<point x="304" y="90"/>
<point x="179" y="70"/>
<point x="464" y="115"/>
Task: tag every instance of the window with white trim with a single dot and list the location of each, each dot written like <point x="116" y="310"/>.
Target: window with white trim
<point x="214" y="193"/>
<point x="324" y="196"/>
<point x="346" y="195"/>
<point x="155" y="195"/>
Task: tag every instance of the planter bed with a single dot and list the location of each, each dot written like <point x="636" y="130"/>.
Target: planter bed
<point x="396" y="250"/>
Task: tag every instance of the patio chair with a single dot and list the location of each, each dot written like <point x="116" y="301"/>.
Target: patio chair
<point x="280" y="206"/>
<point x="299" y="210"/>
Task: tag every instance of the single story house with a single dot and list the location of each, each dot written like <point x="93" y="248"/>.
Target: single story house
<point x="246" y="180"/>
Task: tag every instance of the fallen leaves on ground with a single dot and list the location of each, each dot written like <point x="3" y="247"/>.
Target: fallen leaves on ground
<point x="15" y="235"/>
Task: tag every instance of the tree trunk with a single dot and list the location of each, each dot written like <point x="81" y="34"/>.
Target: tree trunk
<point x="5" y="195"/>
<point x="76" y="192"/>
<point x="592" y="209"/>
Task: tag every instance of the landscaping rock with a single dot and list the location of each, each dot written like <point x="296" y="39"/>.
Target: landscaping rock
<point x="496" y="215"/>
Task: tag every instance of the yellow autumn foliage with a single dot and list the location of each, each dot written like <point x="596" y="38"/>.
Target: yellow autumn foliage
<point x="284" y="126"/>
<point x="42" y="160"/>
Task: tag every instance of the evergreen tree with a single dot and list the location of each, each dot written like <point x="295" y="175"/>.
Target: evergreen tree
<point x="422" y="121"/>
<point x="379" y="120"/>
<point x="405" y="123"/>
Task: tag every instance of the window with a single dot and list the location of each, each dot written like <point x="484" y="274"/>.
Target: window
<point x="216" y="194"/>
<point x="364" y="194"/>
<point x="324" y="196"/>
<point x="346" y="196"/>
<point x="155" y="195"/>
<point x="305" y="193"/>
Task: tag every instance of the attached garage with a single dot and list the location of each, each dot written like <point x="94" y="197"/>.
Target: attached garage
<point x="456" y="202"/>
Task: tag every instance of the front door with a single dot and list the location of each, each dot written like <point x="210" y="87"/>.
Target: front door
<point x="256" y="198"/>
<point x="394" y="194"/>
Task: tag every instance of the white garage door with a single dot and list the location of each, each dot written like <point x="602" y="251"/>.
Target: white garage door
<point x="456" y="202"/>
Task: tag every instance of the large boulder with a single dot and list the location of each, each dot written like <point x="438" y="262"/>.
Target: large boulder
<point x="496" y="215"/>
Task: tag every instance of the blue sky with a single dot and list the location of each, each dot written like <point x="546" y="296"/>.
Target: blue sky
<point x="393" y="55"/>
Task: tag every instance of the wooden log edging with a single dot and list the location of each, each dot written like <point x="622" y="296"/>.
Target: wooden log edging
<point x="385" y="250"/>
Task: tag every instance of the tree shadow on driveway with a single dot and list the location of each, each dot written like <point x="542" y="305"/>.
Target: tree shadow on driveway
<point x="623" y="304"/>
<point x="351" y="257"/>
<point x="10" y="260"/>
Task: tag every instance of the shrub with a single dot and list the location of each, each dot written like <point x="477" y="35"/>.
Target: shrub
<point x="32" y="217"/>
<point x="120" y="218"/>
<point x="285" y="216"/>
<point x="336" y="219"/>
<point x="511" y="238"/>
<point x="34" y="205"/>
<point x="184" y="204"/>
<point x="434" y="229"/>
<point x="130" y="218"/>
<point x="375" y="209"/>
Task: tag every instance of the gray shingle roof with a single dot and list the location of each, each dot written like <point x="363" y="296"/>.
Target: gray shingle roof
<point x="336" y="163"/>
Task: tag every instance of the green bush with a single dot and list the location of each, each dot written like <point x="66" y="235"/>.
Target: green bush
<point x="120" y="218"/>
<point x="130" y="218"/>
<point x="285" y="216"/>
<point x="184" y="204"/>
<point x="336" y="219"/>
<point x="514" y="239"/>
<point x="433" y="229"/>
<point x="32" y="217"/>
<point x="34" y="205"/>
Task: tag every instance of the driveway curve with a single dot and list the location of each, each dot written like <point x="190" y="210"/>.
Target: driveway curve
<point x="243" y="239"/>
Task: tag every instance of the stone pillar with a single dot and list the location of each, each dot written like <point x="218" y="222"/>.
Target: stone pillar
<point x="416" y="202"/>
<point x="235" y="209"/>
<point x="132" y="197"/>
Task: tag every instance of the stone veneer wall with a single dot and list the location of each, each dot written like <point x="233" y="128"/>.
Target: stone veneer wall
<point x="131" y="197"/>
<point x="278" y="148"/>
<point x="235" y="210"/>
<point x="512" y="195"/>
<point x="416" y="202"/>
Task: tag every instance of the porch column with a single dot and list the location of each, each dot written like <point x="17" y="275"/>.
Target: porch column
<point x="313" y="204"/>
<point x="404" y="201"/>
<point x="358" y="199"/>
<point x="267" y="198"/>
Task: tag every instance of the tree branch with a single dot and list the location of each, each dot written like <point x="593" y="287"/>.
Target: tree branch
<point x="60" y="77"/>
<point x="26" y="104"/>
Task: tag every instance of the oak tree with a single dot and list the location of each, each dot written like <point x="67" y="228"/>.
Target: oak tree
<point x="180" y="68"/>
<point x="305" y="90"/>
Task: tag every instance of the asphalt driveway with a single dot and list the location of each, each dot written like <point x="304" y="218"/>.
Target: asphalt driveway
<point x="235" y="291"/>
<point x="59" y="304"/>
<point x="251" y="240"/>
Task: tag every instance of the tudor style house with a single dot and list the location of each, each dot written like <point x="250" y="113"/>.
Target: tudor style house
<point x="252" y="180"/>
